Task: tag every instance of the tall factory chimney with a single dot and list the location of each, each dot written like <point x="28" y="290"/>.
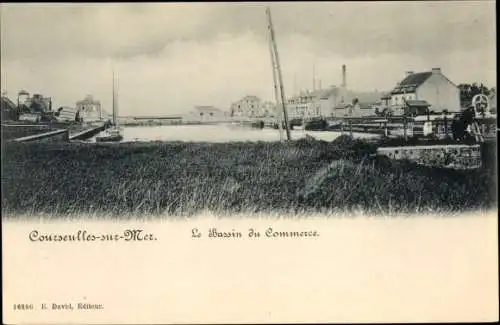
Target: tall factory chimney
<point x="343" y="76"/>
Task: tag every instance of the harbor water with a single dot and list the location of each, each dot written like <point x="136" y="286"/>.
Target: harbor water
<point x="219" y="134"/>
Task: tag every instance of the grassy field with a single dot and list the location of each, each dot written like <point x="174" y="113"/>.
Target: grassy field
<point x="185" y="178"/>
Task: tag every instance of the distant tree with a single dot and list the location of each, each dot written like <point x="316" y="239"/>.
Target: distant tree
<point x="468" y="91"/>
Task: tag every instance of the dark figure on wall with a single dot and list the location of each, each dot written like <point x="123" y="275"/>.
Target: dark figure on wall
<point x="459" y="126"/>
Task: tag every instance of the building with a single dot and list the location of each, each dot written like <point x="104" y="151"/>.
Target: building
<point x="315" y="103"/>
<point x="251" y="106"/>
<point x="432" y="86"/>
<point x="90" y="109"/>
<point x="268" y="109"/>
<point x="36" y="104"/>
<point x="206" y="114"/>
<point x="333" y="101"/>
<point x="66" y="114"/>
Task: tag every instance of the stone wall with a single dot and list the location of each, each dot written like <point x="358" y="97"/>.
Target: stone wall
<point x="447" y="156"/>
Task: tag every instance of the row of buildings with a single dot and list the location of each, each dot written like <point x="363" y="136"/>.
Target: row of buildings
<point x="428" y="91"/>
<point x="36" y="107"/>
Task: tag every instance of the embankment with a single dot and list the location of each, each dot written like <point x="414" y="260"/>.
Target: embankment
<point x="14" y="131"/>
<point x="184" y="178"/>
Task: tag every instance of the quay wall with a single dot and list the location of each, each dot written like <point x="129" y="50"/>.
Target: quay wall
<point x="52" y="136"/>
<point x="13" y="131"/>
<point x="87" y="134"/>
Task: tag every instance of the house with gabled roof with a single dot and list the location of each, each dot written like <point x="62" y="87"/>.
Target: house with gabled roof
<point x="251" y="106"/>
<point x="430" y="86"/>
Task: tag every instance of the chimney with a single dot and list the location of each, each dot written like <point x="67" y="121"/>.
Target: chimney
<point x="409" y="73"/>
<point x="344" y="85"/>
<point x="436" y="70"/>
<point x="320" y="85"/>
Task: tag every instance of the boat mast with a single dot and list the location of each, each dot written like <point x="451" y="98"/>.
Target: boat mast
<point x="280" y="77"/>
<point x="276" y="93"/>
<point x="114" y="101"/>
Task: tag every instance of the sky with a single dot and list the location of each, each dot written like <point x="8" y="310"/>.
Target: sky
<point x="170" y="57"/>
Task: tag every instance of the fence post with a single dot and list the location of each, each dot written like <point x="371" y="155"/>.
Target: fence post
<point x="445" y="126"/>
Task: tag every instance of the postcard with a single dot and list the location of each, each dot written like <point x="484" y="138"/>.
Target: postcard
<point x="259" y="162"/>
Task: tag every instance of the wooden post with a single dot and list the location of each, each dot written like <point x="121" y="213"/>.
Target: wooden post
<point x="350" y="128"/>
<point x="445" y="121"/>
<point x="280" y="77"/>
<point x="483" y="124"/>
<point x="405" y="112"/>
<point x="114" y="100"/>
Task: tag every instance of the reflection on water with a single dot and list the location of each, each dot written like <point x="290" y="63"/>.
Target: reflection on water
<point x="218" y="133"/>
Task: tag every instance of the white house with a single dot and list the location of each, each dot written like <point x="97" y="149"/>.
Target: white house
<point x="432" y="86"/>
<point x="248" y="106"/>
<point x="90" y="109"/>
<point x="206" y="114"/>
<point x="65" y="113"/>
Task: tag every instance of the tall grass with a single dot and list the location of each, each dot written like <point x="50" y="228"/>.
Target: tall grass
<point x="186" y="178"/>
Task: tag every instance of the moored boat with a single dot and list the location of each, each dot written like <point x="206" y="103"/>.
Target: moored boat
<point x="111" y="135"/>
<point x="114" y="133"/>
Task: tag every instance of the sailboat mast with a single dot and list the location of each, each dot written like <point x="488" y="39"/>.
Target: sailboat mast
<point x="114" y="100"/>
<point x="280" y="77"/>
<point x="276" y="93"/>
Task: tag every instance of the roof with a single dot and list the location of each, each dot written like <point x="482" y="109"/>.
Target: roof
<point x="363" y="97"/>
<point x="87" y="101"/>
<point x="411" y="83"/>
<point x="207" y="108"/>
<point x="251" y="97"/>
<point x="417" y="103"/>
<point x="325" y="94"/>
